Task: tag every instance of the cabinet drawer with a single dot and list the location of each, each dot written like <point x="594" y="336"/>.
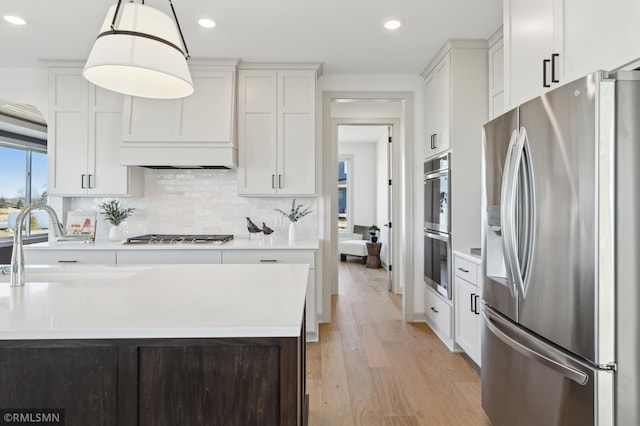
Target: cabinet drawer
<point x="54" y="257"/>
<point x="466" y="270"/>
<point x="169" y="256"/>
<point x="438" y="313"/>
<point x="269" y="256"/>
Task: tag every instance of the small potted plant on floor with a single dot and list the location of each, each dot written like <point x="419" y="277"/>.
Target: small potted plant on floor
<point x="373" y="233"/>
<point x="115" y="214"/>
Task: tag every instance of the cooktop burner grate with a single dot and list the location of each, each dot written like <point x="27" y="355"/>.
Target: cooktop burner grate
<point x="179" y="239"/>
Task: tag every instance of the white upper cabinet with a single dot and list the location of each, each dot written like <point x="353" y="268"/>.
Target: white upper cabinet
<point x="600" y="35"/>
<point x="551" y="42"/>
<point x="276" y="131"/>
<point x="533" y="48"/>
<point x="194" y="131"/>
<point x="83" y="139"/>
<point x="437" y="107"/>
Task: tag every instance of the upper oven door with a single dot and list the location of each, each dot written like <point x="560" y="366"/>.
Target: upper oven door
<point x="436" y="195"/>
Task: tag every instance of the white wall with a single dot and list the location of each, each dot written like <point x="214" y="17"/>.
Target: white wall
<point x="363" y="181"/>
<point x="25" y="86"/>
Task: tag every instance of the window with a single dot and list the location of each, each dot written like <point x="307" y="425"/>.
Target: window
<point x="23" y="180"/>
<point x="343" y="195"/>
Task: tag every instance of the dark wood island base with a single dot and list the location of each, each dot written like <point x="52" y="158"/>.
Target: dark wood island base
<point x="155" y="382"/>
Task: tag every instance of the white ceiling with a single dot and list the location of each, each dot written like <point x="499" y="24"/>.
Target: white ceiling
<point x="345" y="35"/>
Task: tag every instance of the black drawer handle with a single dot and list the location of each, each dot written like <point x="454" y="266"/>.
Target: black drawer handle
<point x="466" y="271"/>
<point x="268" y="260"/>
<point x="434" y="310"/>
<point x="67" y="261"/>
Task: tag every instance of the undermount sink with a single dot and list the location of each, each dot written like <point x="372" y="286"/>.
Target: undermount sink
<point x="76" y="273"/>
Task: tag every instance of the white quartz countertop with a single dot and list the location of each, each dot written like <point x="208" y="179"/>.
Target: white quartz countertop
<point x="236" y="244"/>
<point x="154" y="301"/>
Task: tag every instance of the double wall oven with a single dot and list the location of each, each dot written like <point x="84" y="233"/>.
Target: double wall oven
<point x="437" y="224"/>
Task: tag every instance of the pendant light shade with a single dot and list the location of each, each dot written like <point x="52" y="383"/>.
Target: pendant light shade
<point x="138" y="53"/>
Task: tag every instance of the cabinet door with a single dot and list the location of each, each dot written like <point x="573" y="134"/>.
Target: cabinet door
<point x="467" y="321"/>
<point x="533" y="32"/>
<point x="296" y="132"/>
<point x="107" y="176"/>
<point x="257" y="149"/>
<point x="67" y="132"/>
<point x="600" y="35"/>
<point x="438" y="104"/>
<point x="167" y="256"/>
<point x="65" y="256"/>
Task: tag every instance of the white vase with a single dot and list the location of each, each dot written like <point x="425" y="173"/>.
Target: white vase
<point x="115" y="233"/>
<point x="292" y="231"/>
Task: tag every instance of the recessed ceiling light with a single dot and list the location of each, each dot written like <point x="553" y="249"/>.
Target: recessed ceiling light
<point x="392" y="24"/>
<point x="14" y="20"/>
<point x="207" y="23"/>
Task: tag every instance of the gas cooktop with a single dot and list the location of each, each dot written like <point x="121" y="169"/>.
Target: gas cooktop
<point x="179" y="239"/>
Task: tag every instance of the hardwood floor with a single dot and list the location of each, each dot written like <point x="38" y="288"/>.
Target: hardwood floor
<point x="371" y="368"/>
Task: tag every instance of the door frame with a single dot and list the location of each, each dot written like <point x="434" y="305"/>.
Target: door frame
<point x="402" y="202"/>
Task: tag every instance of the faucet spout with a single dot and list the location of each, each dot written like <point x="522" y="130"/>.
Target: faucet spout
<point x="17" y="256"/>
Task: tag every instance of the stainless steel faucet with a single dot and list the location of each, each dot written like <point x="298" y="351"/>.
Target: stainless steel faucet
<point x="17" y="256"/>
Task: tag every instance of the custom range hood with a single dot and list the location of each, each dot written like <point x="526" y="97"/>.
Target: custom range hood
<point x="195" y="132"/>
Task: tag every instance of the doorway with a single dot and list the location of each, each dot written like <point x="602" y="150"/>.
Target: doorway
<point x="365" y="185"/>
<point x="393" y="109"/>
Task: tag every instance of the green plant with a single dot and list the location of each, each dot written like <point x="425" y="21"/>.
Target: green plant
<point x="373" y="230"/>
<point x="296" y="213"/>
<point x="114" y="213"/>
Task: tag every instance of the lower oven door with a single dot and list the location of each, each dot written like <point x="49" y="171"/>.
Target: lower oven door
<point x="437" y="262"/>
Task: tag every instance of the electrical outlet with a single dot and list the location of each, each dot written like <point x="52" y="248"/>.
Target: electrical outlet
<point x="278" y="220"/>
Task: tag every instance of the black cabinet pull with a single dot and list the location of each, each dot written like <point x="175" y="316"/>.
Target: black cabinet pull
<point x="545" y="64"/>
<point x="473" y="299"/>
<point x="279" y="181"/>
<point x="554" y="62"/>
<point x="273" y="184"/>
<point x="268" y="260"/>
<point x="90" y="181"/>
<point x="82" y="182"/>
<point x="434" y="309"/>
<point x="476" y="311"/>
<point x="466" y="271"/>
<point x="67" y="261"/>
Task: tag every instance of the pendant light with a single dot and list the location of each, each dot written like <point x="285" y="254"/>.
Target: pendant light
<point x="138" y="52"/>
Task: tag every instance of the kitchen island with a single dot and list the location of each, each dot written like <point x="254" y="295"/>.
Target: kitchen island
<point x="157" y="344"/>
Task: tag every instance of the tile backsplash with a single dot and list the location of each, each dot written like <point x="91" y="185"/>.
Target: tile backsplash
<point x="201" y="202"/>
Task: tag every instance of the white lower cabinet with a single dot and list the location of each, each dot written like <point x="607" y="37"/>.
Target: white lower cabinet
<point x="58" y="257"/>
<point x="468" y="305"/>
<point x="284" y="256"/>
<point x="156" y="256"/>
<point x="439" y="316"/>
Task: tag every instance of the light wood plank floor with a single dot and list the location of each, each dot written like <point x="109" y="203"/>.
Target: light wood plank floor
<point x="371" y="368"/>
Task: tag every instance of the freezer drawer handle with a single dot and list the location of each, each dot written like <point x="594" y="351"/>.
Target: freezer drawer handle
<point x="570" y="373"/>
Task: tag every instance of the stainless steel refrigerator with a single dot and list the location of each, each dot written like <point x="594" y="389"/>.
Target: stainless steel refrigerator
<point x="561" y="256"/>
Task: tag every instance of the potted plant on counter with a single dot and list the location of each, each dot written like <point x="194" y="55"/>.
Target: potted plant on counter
<point x="295" y="214"/>
<point x="373" y="233"/>
<point x="114" y="213"/>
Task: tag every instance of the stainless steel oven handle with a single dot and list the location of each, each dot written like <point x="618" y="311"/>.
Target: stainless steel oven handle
<point x="441" y="237"/>
<point x="533" y="350"/>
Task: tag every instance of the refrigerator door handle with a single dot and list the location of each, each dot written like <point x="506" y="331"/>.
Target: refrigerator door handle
<point x="533" y="350"/>
<point x="511" y="237"/>
<point x="505" y="215"/>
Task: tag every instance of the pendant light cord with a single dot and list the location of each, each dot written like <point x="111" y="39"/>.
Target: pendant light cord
<point x="184" y="43"/>
<point x="175" y="17"/>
